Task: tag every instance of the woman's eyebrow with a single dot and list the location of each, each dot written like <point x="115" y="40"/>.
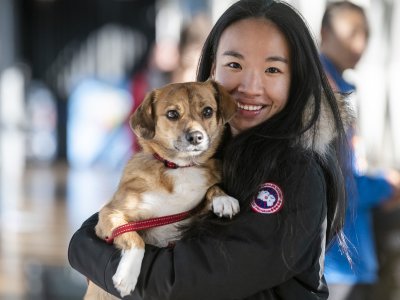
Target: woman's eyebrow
<point x="233" y="53"/>
<point x="270" y="58"/>
<point x="277" y="58"/>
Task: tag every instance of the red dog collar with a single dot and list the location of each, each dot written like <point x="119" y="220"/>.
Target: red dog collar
<point x="170" y="164"/>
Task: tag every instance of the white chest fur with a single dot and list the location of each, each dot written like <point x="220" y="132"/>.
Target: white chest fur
<point x="190" y="187"/>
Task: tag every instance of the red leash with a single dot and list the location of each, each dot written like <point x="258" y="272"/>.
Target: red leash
<point x="146" y="224"/>
<point x="155" y="222"/>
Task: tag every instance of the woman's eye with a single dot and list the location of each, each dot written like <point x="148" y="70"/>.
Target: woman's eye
<point x="172" y="115"/>
<point x="207" y="112"/>
<point x="272" y="70"/>
<point x="234" y="65"/>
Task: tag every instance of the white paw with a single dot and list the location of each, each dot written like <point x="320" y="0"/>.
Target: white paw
<point x="225" y="206"/>
<point x="125" y="278"/>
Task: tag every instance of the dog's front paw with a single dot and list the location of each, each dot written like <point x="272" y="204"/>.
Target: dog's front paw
<point x="128" y="270"/>
<point x="225" y="206"/>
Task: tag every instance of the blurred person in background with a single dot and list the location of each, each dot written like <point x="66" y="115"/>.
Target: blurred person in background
<point x="344" y="37"/>
<point x="192" y="38"/>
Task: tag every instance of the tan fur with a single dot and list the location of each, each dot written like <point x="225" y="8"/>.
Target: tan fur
<point x="214" y="191"/>
<point x="94" y="292"/>
<point x="145" y="178"/>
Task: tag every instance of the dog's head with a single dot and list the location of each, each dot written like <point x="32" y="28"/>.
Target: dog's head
<point x="183" y="120"/>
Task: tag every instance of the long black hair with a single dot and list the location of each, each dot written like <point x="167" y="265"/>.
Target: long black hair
<point x="269" y="149"/>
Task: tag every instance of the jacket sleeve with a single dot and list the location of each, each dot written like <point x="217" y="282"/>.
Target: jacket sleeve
<point x="248" y="258"/>
<point x="372" y="190"/>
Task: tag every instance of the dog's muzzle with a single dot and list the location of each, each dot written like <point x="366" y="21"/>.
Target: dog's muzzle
<point x="194" y="141"/>
<point x="194" y="137"/>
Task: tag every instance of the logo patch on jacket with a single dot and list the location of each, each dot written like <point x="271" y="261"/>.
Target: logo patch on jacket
<point x="269" y="199"/>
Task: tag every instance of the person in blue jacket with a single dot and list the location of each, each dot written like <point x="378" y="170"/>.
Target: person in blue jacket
<point x="344" y="37"/>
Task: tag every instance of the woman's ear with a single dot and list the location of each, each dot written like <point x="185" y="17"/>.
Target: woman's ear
<point x="143" y="119"/>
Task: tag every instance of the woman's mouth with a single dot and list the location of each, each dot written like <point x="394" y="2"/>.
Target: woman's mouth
<point x="248" y="107"/>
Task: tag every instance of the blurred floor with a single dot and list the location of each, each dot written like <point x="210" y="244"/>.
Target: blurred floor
<point x="38" y="217"/>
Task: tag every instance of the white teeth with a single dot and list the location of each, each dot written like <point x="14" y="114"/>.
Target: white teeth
<point x="249" y="107"/>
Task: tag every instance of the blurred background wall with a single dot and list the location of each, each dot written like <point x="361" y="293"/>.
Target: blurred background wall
<point x="72" y="71"/>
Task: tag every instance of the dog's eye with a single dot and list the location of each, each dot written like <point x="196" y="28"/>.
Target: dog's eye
<point x="207" y="112"/>
<point x="173" y="115"/>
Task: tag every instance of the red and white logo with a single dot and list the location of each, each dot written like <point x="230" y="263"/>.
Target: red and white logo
<point x="269" y="199"/>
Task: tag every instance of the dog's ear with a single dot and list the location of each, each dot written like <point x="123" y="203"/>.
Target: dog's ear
<point x="143" y="119"/>
<point x="226" y="105"/>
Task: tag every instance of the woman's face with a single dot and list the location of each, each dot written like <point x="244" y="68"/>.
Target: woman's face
<point x="252" y="63"/>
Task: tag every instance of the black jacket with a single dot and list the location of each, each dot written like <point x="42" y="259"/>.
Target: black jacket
<point x="258" y="256"/>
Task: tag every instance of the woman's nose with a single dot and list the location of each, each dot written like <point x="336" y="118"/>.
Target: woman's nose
<point x="251" y="83"/>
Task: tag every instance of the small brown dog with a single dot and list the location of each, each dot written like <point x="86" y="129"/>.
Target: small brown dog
<point x="179" y="127"/>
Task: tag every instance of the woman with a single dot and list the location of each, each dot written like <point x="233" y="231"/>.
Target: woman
<point x="278" y="143"/>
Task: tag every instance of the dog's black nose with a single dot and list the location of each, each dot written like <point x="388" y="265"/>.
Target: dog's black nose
<point x="194" y="137"/>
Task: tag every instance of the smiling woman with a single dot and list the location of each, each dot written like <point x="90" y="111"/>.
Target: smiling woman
<point x="258" y="77"/>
